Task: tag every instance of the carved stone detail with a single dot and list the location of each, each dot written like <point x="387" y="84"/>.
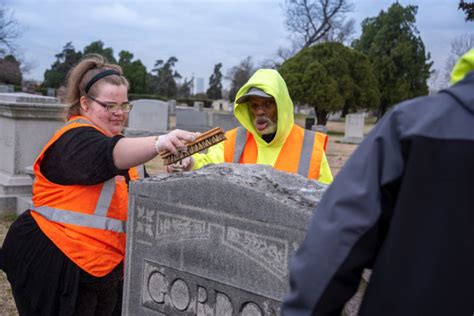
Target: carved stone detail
<point x="145" y="221"/>
<point x="171" y="227"/>
<point x="269" y="252"/>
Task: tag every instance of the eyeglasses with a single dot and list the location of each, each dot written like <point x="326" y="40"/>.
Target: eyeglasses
<point x="113" y="107"/>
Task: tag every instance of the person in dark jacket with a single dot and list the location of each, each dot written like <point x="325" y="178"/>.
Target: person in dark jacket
<point x="403" y="206"/>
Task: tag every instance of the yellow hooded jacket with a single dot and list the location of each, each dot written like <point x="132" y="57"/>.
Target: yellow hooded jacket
<point x="272" y="83"/>
<point x="463" y="66"/>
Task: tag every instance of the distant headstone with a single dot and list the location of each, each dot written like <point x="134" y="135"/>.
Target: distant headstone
<point x="225" y="120"/>
<point x="354" y="132"/>
<point x="148" y="117"/>
<point x="6" y="88"/>
<point x="172" y="105"/>
<point x="216" y="241"/>
<point x="22" y="97"/>
<point x="220" y="105"/>
<point x="188" y="119"/>
<point x="51" y="92"/>
<point x="296" y="109"/>
<point x="309" y="122"/>
<point x="198" y="105"/>
<point x="336" y="116"/>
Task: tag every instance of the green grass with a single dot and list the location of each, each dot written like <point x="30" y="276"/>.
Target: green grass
<point x="9" y="217"/>
<point x="335" y="133"/>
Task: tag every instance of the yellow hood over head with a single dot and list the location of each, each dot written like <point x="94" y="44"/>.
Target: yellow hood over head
<point x="271" y="82"/>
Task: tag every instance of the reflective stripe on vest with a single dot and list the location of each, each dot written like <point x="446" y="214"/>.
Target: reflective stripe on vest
<point x="305" y="155"/>
<point x="81" y="219"/>
<point x="97" y="220"/>
<point x="240" y="141"/>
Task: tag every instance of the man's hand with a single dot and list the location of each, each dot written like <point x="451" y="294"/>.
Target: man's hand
<point x="174" y="141"/>
<point x="184" y="165"/>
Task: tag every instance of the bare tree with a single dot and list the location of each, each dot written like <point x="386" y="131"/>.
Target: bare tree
<point x="9" y="31"/>
<point x="313" y="21"/>
<point x="282" y="54"/>
<point x="239" y="75"/>
<point x="459" y="46"/>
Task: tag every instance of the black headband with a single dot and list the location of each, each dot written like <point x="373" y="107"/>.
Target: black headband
<point x="99" y="76"/>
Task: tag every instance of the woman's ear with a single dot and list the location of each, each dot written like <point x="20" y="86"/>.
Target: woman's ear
<point x="84" y="103"/>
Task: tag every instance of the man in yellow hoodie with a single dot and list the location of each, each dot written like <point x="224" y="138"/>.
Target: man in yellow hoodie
<point x="268" y="134"/>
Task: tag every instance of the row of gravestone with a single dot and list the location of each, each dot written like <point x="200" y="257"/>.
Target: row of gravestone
<point x="27" y="121"/>
<point x="151" y="117"/>
<point x="353" y="132"/>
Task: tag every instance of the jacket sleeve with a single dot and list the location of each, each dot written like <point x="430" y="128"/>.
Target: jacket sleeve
<point x="215" y="154"/>
<point x="325" y="174"/>
<point x="342" y="237"/>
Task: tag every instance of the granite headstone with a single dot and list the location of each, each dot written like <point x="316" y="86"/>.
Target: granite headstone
<point x="215" y="241"/>
<point x="225" y="120"/>
<point x="148" y="117"/>
<point x="354" y="131"/>
<point x="191" y="120"/>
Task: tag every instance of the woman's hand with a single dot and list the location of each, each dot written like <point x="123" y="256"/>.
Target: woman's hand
<point x="174" y="141"/>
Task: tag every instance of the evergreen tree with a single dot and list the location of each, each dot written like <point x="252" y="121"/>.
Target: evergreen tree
<point x="215" y="83"/>
<point x="97" y="47"/>
<point x="468" y="8"/>
<point x="65" y="60"/>
<point x="331" y="77"/>
<point x="163" y="82"/>
<point x="134" y="71"/>
<point x="396" y="50"/>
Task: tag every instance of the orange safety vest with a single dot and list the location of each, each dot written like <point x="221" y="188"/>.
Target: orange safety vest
<point x="301" y="153"/>
<point x="86" y="222"/>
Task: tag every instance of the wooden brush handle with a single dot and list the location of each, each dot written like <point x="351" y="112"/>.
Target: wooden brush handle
<point x="203" y="141"/>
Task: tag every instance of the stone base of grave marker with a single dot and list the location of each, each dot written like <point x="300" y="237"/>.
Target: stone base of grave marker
<point x="26" y="123"/>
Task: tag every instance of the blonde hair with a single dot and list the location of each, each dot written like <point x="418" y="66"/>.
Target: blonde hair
<point x="80" y="75"/>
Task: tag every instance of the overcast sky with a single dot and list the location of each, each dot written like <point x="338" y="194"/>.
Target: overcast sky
<point x="200" y="33"/>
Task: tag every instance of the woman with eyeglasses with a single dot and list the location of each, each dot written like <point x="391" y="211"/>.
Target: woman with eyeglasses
<point x="65" y="255"/>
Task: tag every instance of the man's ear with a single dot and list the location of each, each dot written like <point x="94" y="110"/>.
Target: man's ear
<point x="84" y="102"/>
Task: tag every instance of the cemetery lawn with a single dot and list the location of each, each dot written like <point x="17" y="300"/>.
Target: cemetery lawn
<point x="336" y="153"/>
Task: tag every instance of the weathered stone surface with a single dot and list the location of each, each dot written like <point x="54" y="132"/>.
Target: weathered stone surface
<point x="151" y="115"/>
<point x="191" y="120"/>
<point x="226" y="121"/>
<point x="215" y="241"/>
<point x="22" y="97"/>
<point x="24" y="130"/>
<point x="354" y="131"/>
